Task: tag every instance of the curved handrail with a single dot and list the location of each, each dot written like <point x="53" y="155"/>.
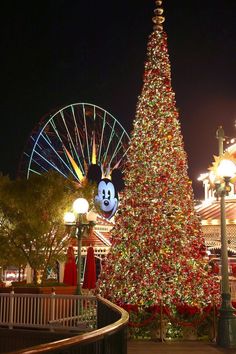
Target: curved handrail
<point x="93" y="336"/>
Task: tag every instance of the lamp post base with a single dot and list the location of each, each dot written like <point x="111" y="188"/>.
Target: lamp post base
<point x="226" y="334"/>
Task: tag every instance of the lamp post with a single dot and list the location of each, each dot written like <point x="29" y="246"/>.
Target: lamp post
<point x="82" y="220"/>
<point x="226" y="334"/>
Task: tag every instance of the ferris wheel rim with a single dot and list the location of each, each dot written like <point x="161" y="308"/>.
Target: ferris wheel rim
<point x="49" y="119"/>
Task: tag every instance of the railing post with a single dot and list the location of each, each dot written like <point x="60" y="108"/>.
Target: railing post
<point x="11" y="308"/>
<point x="52" y="312"/>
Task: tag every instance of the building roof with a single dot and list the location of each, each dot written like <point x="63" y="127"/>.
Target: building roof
<point x="100" y="236"/>
<point x="209" y="211"/>
<point x="97" y="239"/>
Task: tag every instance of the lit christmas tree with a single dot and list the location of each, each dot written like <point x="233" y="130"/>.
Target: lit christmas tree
<point x="157" y="248"/>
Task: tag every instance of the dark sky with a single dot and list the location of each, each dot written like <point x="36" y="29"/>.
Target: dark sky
<point x="58" y="52"/>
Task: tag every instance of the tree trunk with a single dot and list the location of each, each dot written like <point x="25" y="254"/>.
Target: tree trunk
<point x="19" y="274"/>
<point x="43" y="276"/>
<point x="35" y="276"/>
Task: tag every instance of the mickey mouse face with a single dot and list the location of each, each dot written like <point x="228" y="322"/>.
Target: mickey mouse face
<point x="106" y="198"/>
<point x="107" y="193"/>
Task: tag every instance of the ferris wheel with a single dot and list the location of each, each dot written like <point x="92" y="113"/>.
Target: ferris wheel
<point x="73" y="138"/>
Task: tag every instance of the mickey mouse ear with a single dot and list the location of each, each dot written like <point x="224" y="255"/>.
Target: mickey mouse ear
<point x="117" y="178"/>
<point x="94" y="173"/>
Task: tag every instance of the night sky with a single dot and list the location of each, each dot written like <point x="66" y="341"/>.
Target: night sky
<point x="58" y="52"/>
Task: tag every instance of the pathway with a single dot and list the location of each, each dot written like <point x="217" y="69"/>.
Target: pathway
<point x="191" y="347"/>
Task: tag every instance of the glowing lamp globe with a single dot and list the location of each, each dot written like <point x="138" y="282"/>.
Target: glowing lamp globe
<point x="69" y="218"/>
<point x="81" y="206"/>
<point x="226" y="168"/>
<point x="212" y="177"/>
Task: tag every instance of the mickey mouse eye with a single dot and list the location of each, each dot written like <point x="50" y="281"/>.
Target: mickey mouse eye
<point x="103" y="193"/>
<point x="109" y="195"/>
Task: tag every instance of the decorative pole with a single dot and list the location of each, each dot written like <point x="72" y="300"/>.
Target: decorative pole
<point x="226" y="334"/>
<point x="76" y="219"/>
<point x="220" y="135"/>
<point x="79" y="234"/>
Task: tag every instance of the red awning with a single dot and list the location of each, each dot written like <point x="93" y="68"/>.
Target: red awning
<point x="90" y="270"/>
<point x="70" y="271"/>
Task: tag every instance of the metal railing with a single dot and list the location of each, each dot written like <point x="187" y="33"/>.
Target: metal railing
<point x="70" y="312"/>
<point x="110" y="337"/>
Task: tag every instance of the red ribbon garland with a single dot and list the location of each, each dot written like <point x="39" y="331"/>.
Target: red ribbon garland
<point x="156" y="309"/>
<point x="196" y="322"/>
<point x="143" y="323"/>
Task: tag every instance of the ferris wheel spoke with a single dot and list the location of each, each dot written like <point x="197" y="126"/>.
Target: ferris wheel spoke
<point x="62" y="144"/>
<point x="117" y="156"/>
<point x="69" y="137"/>
<point x="102" y="134"/>
<point x="77" y="135"/>
<point x="32" y="160"/>
<point x="50" y="163"/>
<point x="117" y="149"/>
<point x="121" y="159"/>
<point x="36" y="172"/>
<point x="86" y="135"/>
<point x="38" y="164"/>
<point x="109" y="141"/>
<point x="71" y="142"/>
<point x="53" y="125"/>
<point x="47" y="139"/>
<point x="124" y="154"/>
<point x="37" y="142"/>
<point x="58" y="156"/>
<point x="59" y="138"/>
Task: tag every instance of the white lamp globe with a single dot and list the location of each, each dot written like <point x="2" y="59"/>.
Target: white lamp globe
<point x="226" y="168"/>
<point x="69" y="218"/>
<point x="81" y="206"/>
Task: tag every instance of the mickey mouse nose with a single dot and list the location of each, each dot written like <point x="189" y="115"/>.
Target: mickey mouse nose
<point x="106" y="202"/>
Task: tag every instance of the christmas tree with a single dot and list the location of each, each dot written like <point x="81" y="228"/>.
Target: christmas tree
<point x="157" y="248"/>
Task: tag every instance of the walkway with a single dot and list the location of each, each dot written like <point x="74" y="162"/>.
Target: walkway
<point x="191" y="347"/>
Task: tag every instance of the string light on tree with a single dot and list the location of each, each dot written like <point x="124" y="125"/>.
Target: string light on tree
<point x="157" y="248"/>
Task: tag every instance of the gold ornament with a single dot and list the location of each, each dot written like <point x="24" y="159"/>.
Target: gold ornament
<point x="158" y="19"/>
<point x="158" y="11"/>
<point x="158" y="28"/>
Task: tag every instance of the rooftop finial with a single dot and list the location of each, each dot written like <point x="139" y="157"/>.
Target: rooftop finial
<point x="158" y="19"/>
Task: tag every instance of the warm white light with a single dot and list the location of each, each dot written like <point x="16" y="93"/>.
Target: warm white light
<point x="81" y="206"/>
<point x="212" y="177"/>
<point x="69" y="218"/>
<point x="226" y="168"/>
<point x="202" y="176"/>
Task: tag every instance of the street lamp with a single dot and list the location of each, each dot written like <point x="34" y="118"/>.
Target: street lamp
<point x="82" y="220"/>
<point x="226" y="334"/>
